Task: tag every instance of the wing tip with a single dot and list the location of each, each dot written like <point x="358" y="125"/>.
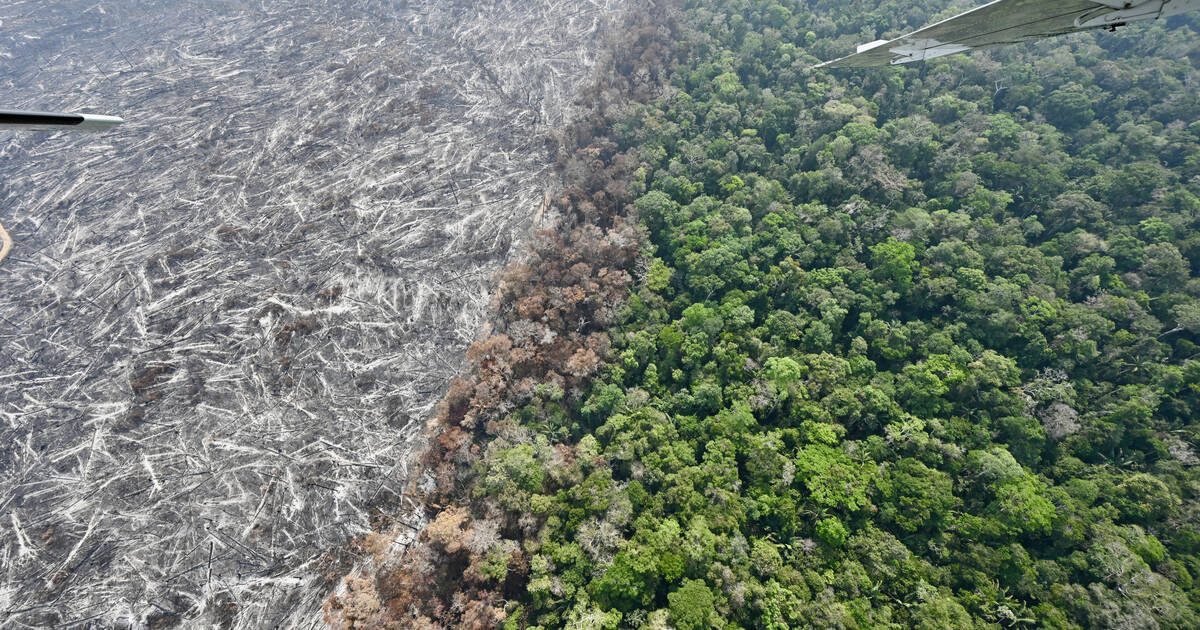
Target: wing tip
<point x="99" y="122"/>
<point x="19" y="119"/>
<point x="867" y="56"/>
<point x="832" y="63"/>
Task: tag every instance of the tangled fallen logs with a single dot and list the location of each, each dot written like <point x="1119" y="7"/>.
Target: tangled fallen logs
<point x="222" y="319"/>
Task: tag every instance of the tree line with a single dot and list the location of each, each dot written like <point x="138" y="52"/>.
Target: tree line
<point x="896" y="348"/>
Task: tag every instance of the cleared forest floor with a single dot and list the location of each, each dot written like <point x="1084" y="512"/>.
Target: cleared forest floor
<point x="223" y="323"/>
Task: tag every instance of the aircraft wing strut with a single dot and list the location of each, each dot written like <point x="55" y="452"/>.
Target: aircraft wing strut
<point x="10" y="119"/>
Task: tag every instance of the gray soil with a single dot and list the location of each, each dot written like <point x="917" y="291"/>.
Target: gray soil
<point x="223" y="324"/>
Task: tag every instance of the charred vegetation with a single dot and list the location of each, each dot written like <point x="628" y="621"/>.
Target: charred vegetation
<point x="547" y="333"/>
<point x="223" y="321"/>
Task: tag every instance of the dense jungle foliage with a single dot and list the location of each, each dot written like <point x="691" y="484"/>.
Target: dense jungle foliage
<point x="915" y="348"/>
<point x="911" y="348"/>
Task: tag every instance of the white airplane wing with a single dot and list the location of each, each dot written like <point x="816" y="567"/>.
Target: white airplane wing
<point x="1008" y="22"/>
<point x="55" y="120"/>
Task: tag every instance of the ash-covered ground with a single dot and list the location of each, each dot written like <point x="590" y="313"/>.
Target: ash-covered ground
<point x="223" y="323"/>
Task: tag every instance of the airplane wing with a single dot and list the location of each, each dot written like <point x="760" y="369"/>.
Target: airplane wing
<point x="1008" y="22"/>
<point x="55" y="120"/>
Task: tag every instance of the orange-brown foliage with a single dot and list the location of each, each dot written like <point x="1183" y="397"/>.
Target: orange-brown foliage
<point x="446" y="531"/>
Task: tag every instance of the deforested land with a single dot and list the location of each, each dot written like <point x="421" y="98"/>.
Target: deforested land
<point x="224" y="323"/>
<point x="768" y="346"/>
<point x="900" y="348"/>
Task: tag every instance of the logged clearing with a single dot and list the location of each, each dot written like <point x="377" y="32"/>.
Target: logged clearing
<point x="224" y="322"/>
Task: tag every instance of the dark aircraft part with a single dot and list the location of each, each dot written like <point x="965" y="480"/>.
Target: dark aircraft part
<point x="55" y="120"/>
